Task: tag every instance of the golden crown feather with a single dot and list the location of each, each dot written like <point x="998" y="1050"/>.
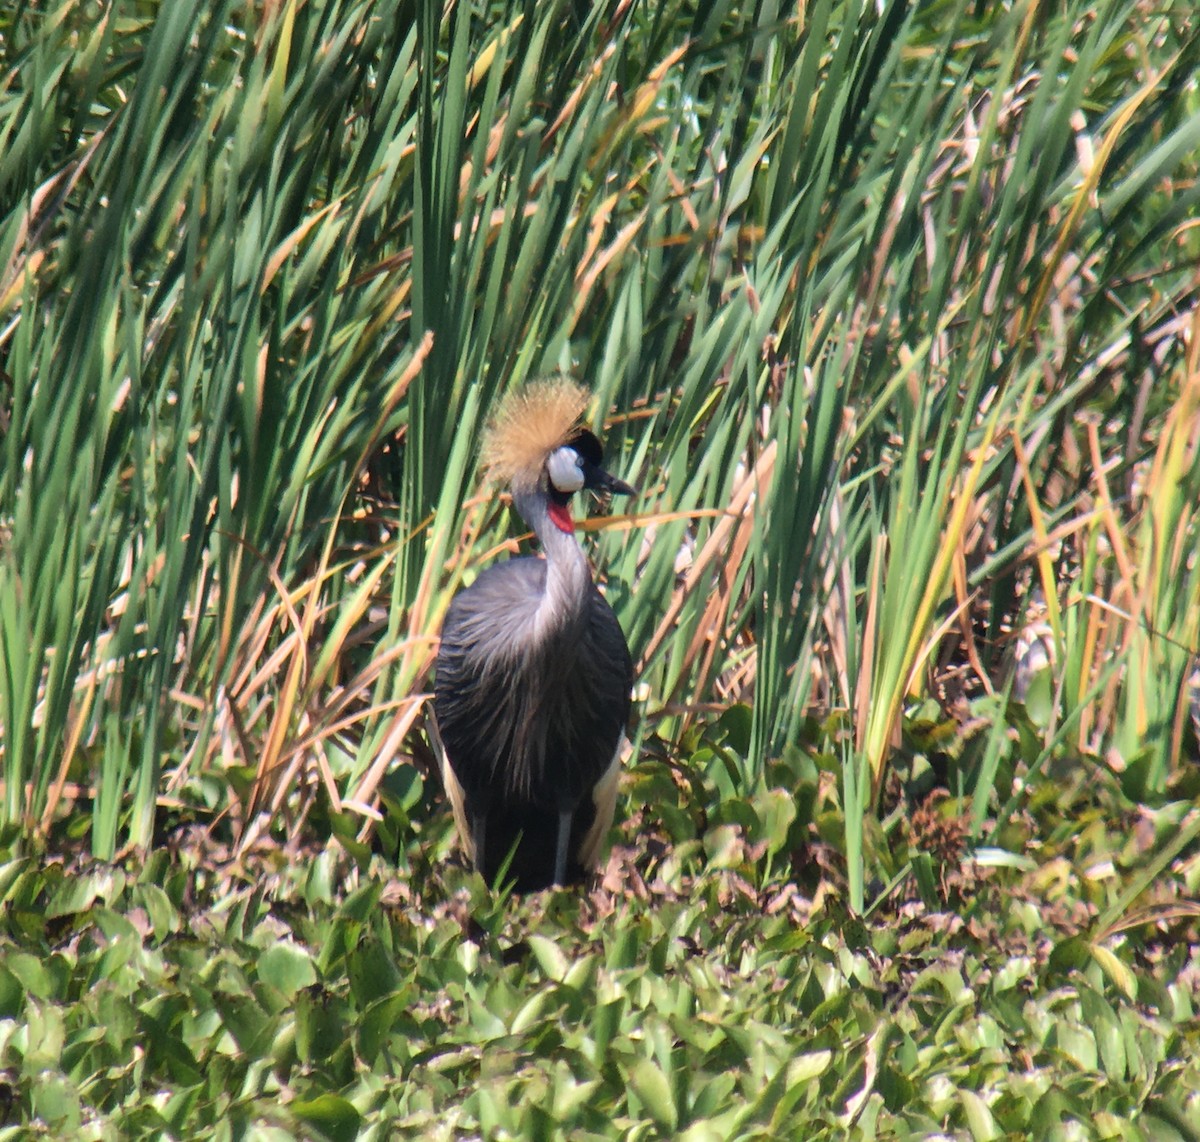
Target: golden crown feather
<point x="528" y="425"/>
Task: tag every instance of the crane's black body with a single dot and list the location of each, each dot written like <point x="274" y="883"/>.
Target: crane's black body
<point x="530" y="732"/>
<point x="532" y="690"/>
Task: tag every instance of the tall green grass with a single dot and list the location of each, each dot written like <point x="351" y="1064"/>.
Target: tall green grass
<point x="852" y="285"/>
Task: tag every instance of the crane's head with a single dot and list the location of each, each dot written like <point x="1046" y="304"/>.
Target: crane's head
<point x="535" y="443"/>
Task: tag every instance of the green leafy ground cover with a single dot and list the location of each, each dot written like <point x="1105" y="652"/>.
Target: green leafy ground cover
<point x="711" y="985"/>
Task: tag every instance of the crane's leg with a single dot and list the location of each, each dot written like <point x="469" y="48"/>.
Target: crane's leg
<point x="564" y="839"/>
<point x="478" y="835"/>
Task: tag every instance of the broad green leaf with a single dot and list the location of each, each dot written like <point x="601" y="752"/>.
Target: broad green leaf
<point x="334" y="1117"/>
<point x="287" y="967"/>
<point x="373" y="972"/>
<point x="979" y="1118"/>
<point x="30" y="972"/>
<point x="320" y="1028"/>
<point x="550" y="957"/>
<point x="804" y="1068"/>
<point x="652" y="1089"/>
<point x="1118" y="973"/>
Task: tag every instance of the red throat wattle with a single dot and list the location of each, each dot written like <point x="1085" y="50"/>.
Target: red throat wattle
<point x="560" y="515"/>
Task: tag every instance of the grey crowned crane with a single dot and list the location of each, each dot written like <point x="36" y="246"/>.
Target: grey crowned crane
<point x="533" y="680"/>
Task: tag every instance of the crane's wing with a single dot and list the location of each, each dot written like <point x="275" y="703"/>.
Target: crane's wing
<point x="530" y="724"/>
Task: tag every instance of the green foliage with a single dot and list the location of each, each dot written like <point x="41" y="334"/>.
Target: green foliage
<point x="889" y="310"/>
<point x="716" y="1001"/>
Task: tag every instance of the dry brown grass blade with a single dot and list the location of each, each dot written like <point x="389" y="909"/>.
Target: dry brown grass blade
<point x="636" y="111"/>
<point x="587" y="274"/>
<point x="334" y="718"/>
<point x="26" y="270"/>
<point x="330" y="729"/>
<point x="1089" y="667"/>
<point x="28" y="255"/>
<point x="707" y="635"/>
<point x="1165" y="913"/>
<point x="596" y="229"/>
<point x="573" y="100"/>
<point x="913" y="687"/>
<point x="367" y="789"/>
<point x="485" y="59"/>
<point x="1083" y="198"/>
<point x="1038" y="521"/>
<point x="79" y="718"/>
<point x="257" y="673"/>
<point x="268" y="778"/>
<point x="628" y="522"/>
<point x="964" y="596"/>
<point x="287" y="247"/>
<point x="1107" y="512"/>
<point x="384" y="314"/>
<point x="681" y="192"/>
<point x="718" y="542"/>
<point x="276" y="765"/>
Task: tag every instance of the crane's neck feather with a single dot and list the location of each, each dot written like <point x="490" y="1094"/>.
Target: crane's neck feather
<point x="568" y="577"/>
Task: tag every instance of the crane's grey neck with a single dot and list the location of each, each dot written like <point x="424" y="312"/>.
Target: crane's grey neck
<point x="568" y="579"/>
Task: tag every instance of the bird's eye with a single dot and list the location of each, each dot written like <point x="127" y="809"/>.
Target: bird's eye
<point x="565" y="468"/>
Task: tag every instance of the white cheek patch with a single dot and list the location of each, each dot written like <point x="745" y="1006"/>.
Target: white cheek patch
<point x="565" y="470"/>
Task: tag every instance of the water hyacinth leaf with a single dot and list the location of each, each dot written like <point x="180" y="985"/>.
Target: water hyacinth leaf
<point x="404" y="782"/>
<point x="724" y="847"/>
<point x="372" y="969"/>
<point x="245" y="1020"/>
<point x="361" y="904"/>
<point x="12" y="994"/>
<point x="531" y="1012"/>
<point x="648" y="1082"/>
<point x="895" y="1088"/>
<point x="776" y="811"/>
<point x="705" y="1131"/>
<point x="78" y="893"/>
<point x="1110" y="1040"/>
<point x="1119" y="974"/>
<point x="550" y="957"/>
<point x="486" y="1023"/>
<point x="1078" y="1043"/>
<point x="736" y="724"/>
<point x="804" y="1068"/>
<point x="164" y="917"/>
<point x="334" y="1117"/>
<point x="382" y="1020"/>
<point x="287" y="967"/>
<point x="570" y="1095"/>
<point x="30" y="973"/>
<point x="11" y="874"/>
<point x="1071" y="953"/>
<point x="581" y="975"/>
<point x="56" y="1102"/>
<point x="979" y="1118"/>
<point x="320" y="1028"/>
<point x="713" y="1097"/>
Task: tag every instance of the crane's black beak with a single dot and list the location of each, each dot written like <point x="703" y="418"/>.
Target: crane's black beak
<point x="598" y="480"/>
